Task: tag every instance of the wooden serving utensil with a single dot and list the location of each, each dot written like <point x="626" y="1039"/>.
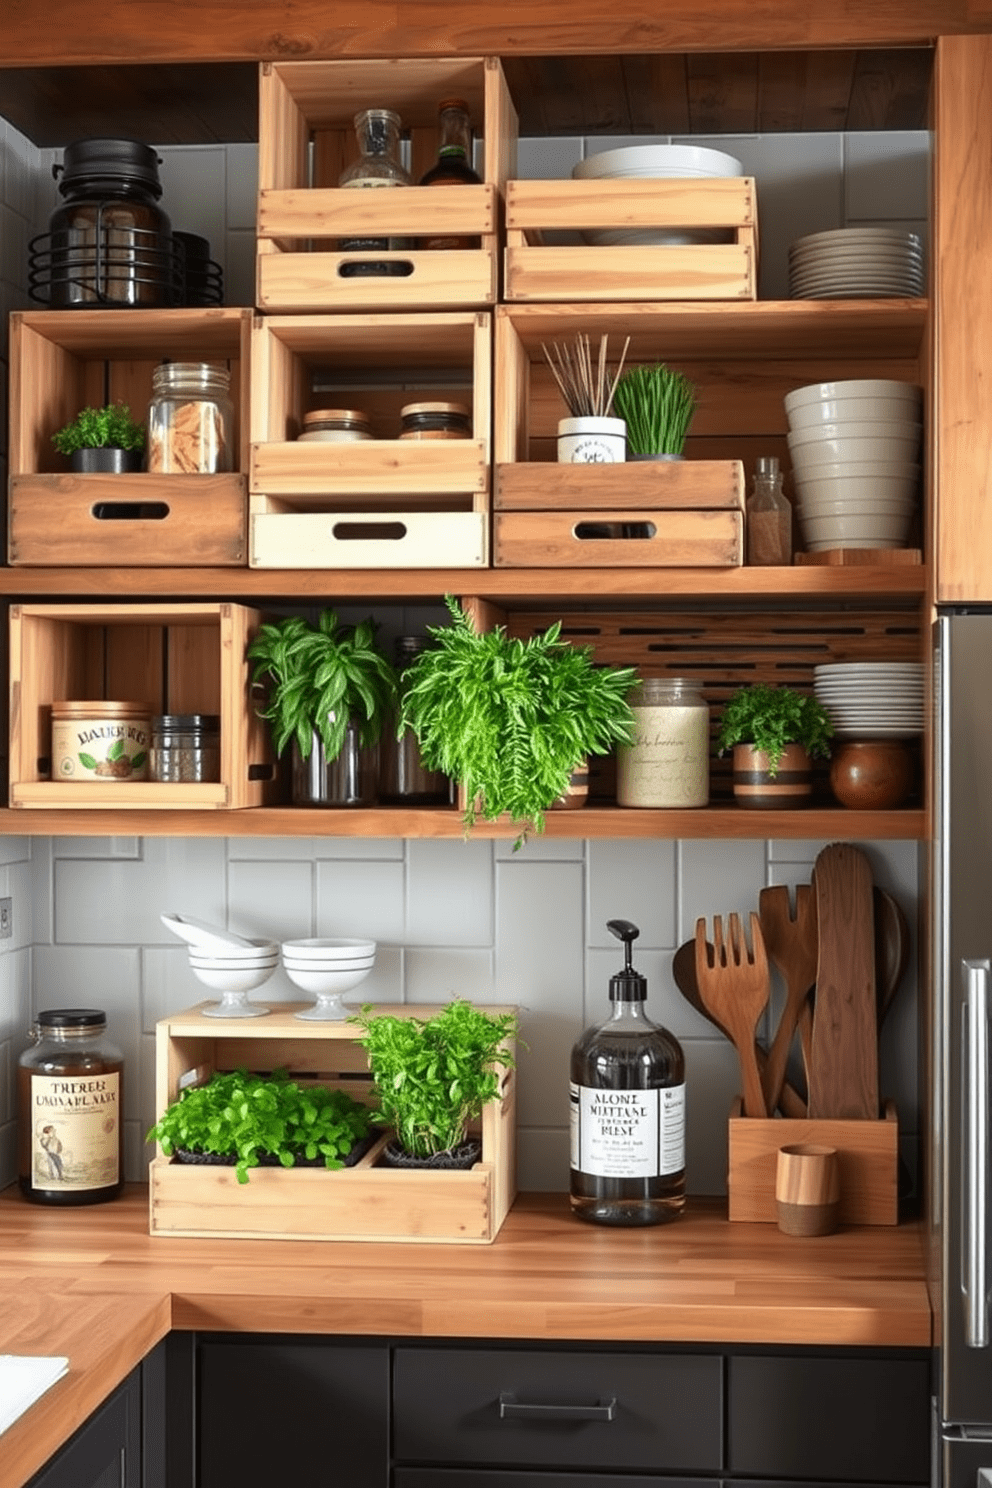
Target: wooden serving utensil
<point x="843" y="1076"/>
<point x="733" y="984"/>
<point x="793" y="946"/>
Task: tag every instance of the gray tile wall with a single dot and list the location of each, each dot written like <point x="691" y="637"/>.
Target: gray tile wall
<point x="472" y="918"/>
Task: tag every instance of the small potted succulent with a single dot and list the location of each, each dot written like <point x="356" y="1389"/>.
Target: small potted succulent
<point x="432" y="1077"/>
<point x="775" y="733"/>
<point x="246" y="1121"/>
<point x="657" y="404"/>
<point x="330" y="693"/>
<point x="104" y="439"/>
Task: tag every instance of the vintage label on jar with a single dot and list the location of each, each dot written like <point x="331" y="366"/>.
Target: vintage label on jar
<point x="668" y="762"/>
<point x="627" y="1133"/>
<point x="75" y="1142"/>
<point x="100" y="749"/>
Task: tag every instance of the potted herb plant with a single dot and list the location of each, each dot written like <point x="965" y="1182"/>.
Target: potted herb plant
<point x="330" y="692"/>
<point x="104" y="439"/>
<point x="775" y="734"/>
<point x="511" y="719"/>
<point x="432" y="1077"/>
<point x="657" y="404"/>
<point x="248" y="1120"/>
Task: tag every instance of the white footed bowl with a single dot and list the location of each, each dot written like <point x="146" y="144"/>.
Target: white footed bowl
<point x="315" y="949"/>
<point x="234" y="953"/>
<point x="228" y="980"/>
<point x="855" y="387"/>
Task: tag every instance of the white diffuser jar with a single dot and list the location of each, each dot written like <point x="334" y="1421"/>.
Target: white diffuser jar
<point x="591" y="440"/>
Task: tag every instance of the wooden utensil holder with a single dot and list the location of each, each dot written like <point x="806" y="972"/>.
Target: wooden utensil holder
<point x="868" y="1152"/>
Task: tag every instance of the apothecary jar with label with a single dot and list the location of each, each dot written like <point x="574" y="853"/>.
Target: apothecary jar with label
<point x="668" y="762"/>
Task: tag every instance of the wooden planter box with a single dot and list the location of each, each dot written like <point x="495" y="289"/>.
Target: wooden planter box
<point x="306" y="138"/>
<point x="868" y="1153"/>
<point x="179" y="658"/>
<point x="540" y="270"/>
<point x="384" y="502"/>
<point x="367" y="1202"/>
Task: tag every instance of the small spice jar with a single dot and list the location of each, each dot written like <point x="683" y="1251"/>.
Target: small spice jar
<point x="70" y="1098"/>
<point x="185" y="746"/>
<point x="668" y="763"/>
<point x="435" y="421"/>
<point x="100" y="740"/>
<point x="336" y="425"/>
<point x="190" y="419"/>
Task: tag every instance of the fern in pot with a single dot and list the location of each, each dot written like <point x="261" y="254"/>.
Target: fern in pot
<point x="775" y="734"/>
<point x="511" y="719"/>
<point x="329" y="693"/>
<point x="657" y="404"/>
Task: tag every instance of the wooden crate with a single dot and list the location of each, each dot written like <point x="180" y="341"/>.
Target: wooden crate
<point x="377" y="363"/>
<point x="306" y="137"/>
<point x="178" y="658"/>
<point x="367" y="1202"/>
<point x="537" y="269"/>
<point x="868" y="1153"/>
<point x="665" y="514"/>
<point x="134" y="521"/>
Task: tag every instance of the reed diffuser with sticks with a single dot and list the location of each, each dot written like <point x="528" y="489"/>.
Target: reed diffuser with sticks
<point x="591" y="434"/>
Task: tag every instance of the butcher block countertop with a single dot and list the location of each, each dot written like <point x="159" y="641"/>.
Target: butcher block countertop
<point x="92" y="1284"/>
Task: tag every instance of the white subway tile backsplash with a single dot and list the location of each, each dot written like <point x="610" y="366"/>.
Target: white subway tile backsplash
<point x="537" y="849"/>
<point x="97" y="847"/>
<point x="194" y="192"/>
<point x="632" y="881"/>
<point x="712" y="1077"/>
<point x="271" y="899"/>
<point x="449" y="893"/>
<point x="439" y="973"/>
<point x="664" y="1005"/>
<point x="356" y="899"/>
<point x="120" y="901"/>
<point x="97" y="977"/>
<point x="548" y="159"/>
<point x="718" y="877"/>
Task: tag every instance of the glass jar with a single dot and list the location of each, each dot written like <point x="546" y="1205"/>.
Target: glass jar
<point x="350" y="779"/>
<point x="190" y="419"/>
<point x="404" y="780"/>
<point x="668" y="763"/>
<point x="109" y="243"/>
<point x="336" y="425"/>
<point x="100" y="740"/>
<point x="378" y="165"/>
<point x="70" y="1098"/>
<point x="768" y="517"/>
<point x="435" y="421"/>
<point x="185" y="746"/>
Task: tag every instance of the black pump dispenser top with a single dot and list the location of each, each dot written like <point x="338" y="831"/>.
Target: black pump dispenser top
<point x="628" y="985"/>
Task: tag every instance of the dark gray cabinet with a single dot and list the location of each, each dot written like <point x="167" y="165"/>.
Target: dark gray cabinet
<point x="106" y="1450"/>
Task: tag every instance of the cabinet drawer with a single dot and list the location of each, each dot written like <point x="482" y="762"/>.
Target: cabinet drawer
<point x="479" y="1477"/>
<point x="850" y="1419"/>
<point x="546" y="1408"/>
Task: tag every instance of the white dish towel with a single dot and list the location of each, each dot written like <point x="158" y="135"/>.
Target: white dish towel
<point x="23" y="1380"/>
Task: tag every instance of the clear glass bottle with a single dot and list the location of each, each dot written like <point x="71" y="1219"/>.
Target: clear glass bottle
<point x="378" y="165"/>
<point x="668" y="762"/>
<point x="70" y="1097"/>
<point x="627" y="1094"/>
<point x="190" y="419"/>
<point x="768" y="517"/>
<point x="453" y="166"/>
<point x="404" y="780"/>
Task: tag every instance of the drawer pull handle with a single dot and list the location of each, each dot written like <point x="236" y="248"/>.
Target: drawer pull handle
<point x="512" y="1409"/>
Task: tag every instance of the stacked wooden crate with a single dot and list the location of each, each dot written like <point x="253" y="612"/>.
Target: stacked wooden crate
<point x="330" y="337"/>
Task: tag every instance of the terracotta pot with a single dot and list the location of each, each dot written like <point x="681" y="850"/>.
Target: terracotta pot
<point x="757" y="788"/>
<point x="871" y="774"/>
<point x="577" y="793"/>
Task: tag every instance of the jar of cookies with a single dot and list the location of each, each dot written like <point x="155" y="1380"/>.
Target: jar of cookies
<point x="190" y="419"/>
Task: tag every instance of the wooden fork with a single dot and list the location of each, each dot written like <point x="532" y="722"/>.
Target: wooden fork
<point x="734" y="986"/>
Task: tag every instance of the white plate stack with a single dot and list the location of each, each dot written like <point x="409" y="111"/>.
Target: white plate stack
<point x="656" y="163"/>
<point x="855" y="451"/>
<point x="856" y="263"/>
<point x="872" y="699"/>
<point x="328" y="969"/>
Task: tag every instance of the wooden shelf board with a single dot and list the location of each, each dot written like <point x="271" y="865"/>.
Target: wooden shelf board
<point x="825" y="823"/>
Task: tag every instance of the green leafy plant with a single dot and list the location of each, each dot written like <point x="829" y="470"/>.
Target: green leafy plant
<point x="110" y="427"/>
<point x="318" y="678"/>
<point x="433" y="1076"/>
<point x="769" y="718"/>
<point x="657" y="404"/>
<point x="249" y="1116"/>
<point x="510" y="718"/>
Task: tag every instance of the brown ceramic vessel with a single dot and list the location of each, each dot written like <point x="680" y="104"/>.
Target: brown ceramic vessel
<point x="871" y="774"/>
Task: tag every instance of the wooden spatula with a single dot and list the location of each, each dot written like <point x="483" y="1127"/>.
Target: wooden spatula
<point x="793" y="946"/>
<point x="843" y="1076"/>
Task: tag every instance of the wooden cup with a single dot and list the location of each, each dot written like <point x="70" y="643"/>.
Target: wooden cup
<point x="807" y="1189"/>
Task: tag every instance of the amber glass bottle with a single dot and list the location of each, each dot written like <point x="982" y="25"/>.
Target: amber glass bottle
<point x="453" y="166"/>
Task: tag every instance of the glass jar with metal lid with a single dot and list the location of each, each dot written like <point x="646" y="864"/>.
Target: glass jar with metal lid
<point x="336" y="425"/>
<point x="436" y="421"/>
<point x="185" y="747"/>
<point x="190" y="419"/>
<point x="70" y="1099"/>
<point x="668" y="762"/>
<point x="100" y="740"/>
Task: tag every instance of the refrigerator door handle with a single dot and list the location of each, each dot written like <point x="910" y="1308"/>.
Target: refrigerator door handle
<point x="974" y="1153"/>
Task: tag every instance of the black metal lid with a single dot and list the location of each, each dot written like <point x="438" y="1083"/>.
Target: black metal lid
<point x="72" y="1018"/>
<point x="108" y="163"/>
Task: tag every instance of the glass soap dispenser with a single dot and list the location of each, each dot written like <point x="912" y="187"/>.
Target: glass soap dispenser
<point x="627" y="1110"/>
<point x="768" y="517"/>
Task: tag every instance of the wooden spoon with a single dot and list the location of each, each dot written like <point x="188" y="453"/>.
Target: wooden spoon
<point x="843" y="1076"/>
<point x="793" y="946"/>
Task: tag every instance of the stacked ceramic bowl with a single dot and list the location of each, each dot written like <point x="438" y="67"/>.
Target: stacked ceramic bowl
<point x="855" y="451"/>
<point x="872" y="699"/>
<point x="655" y="163"/>
<point x="234" y="971"/>
<point x="327" y="969"/>
<point x="855" y="263"/>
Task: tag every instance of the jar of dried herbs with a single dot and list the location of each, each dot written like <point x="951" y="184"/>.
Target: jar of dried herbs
<point x="190" y="419"/>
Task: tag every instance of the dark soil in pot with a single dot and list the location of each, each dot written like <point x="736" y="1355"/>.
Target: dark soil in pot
<point x="270" y="1160"/>
<point x="464" y="1156"/>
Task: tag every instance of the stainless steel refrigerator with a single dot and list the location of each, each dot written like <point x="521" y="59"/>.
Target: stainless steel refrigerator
<point x="959" y="1188"/>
